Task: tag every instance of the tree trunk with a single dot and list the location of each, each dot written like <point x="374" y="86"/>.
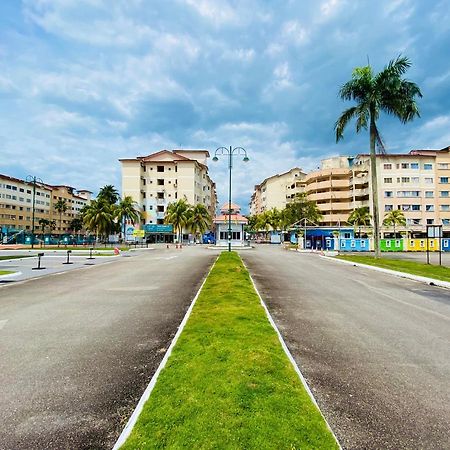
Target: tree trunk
<point x="374" y="180"/>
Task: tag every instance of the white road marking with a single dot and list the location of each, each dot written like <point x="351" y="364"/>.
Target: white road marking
<point x="421" y="308"/>
<point x="166" y="258"/>
<point x="3" y="323"/>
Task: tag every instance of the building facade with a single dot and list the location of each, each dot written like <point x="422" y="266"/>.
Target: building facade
<point x="277" y="191"/>
<point x="16" y="205"/>
<point x="156" y="180"/>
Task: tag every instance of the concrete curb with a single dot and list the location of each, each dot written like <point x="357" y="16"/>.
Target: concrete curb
<point x="290" y="357"/>
<point x="145" y="396"/>
<point x="430" y="281"/>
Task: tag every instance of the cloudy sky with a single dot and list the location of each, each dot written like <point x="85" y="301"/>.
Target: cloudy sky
<point x="85" y="82"/>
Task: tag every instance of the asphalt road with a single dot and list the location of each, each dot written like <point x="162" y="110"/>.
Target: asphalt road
<point x="374" y="348"/>
<point x="78" y="349"/>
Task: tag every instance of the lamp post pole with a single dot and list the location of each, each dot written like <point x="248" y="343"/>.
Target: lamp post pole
<point x="33" y="180"/>
<point x="236" y="151"/>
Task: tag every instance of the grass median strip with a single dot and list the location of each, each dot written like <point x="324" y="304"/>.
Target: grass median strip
<point x="6" y="272"/>
<point x="228" y="383"/>
<point x="401" y="265"/>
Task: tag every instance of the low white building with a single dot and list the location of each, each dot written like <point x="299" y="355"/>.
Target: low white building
<point x="237" y="226"/>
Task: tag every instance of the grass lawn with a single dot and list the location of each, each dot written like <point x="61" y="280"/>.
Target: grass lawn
<point x="6" y="272"/>
<point x="412" y="267"/>
<point x="15" y="257"/>
<point x="228" y="384"/>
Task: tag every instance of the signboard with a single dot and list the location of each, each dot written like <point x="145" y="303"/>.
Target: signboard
<point x="129" y="231"/>
<point x="139" y="233"/>
<point x="158" y="228"/>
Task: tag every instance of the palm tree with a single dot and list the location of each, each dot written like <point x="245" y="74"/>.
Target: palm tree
<point x="178" y="214"/>
<point x="44" y="223"/>
<point x="199" y="220"/>
<point x="127" y="209"/>
<point x="393" y="218"/>
<point x="360" y="217"/>
<point x="108" y="193"/>
<point x="61" y="207"/>
<point x="98" y="217"/>
<point x="76" y="225"/>
<point x="373" y="93"/>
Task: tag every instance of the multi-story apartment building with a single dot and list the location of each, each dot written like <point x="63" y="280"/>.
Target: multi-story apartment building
<point x="163" y="177"/>
<point x="277" y="191"/>
<point x="16" y="205"/>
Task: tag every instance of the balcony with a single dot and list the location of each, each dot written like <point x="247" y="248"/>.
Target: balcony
<point x="329" y="195"/>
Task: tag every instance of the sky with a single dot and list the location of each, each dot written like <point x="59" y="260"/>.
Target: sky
<point x="86" y="82"/>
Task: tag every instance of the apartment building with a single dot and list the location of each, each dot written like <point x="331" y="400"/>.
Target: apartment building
<point x="277" y="191"/>
<point x="156" y="180"/>
<point x="16" y="205"/>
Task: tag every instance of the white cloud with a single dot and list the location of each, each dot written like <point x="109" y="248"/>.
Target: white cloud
<point x="218" y="12"/>
<point x="293" y="32"/>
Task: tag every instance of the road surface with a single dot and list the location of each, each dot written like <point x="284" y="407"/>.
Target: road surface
<point x="374" y="348"/>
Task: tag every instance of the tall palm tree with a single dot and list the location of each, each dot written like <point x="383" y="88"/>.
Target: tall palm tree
<point x="393" y="218"/>
<point x="178" y="214"/>
<point x="99" y="217"/>
<point x="360" y="217"/>
<point x="373" y="93"/>
<point x="61" y="207"/>
<point x="108" y="193"/>
<point x="199" y="220"/>
<point x="44" y="223"/>
<point x="127" y="209"/>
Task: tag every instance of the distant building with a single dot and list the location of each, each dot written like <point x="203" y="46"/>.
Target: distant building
<point x="238" y="221"/>
<point x="277" y="191"/>
<point x="16" y="205"/>
<point x="156" y="180"/>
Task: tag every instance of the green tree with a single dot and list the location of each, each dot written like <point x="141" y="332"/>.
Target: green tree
<point x="76" y="225"/>
<point x="108" y="193"/>
<point x="360" y="217"/>
<point x="61" y="207"/>
<point x="127" y="209"/>
<point x="252" y="222"/>
<point x="393" y="218"/>
<point x="274" y="218"/>
<point x="99" y="216"/>
<point x="386" y="92"/>
<point x="178" y="214"/>
<point x="199" y="219"/>
<point x="300" y="209"/>
<point x="44" y="223"/>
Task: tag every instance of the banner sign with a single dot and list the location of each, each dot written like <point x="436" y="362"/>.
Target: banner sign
<point x="157" y="228"/>
<point x="139" y="233"/>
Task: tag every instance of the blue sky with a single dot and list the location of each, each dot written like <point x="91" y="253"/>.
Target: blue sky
<point x="85" y="82"/>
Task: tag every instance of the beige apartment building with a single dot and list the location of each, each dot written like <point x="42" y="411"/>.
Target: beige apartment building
<point x="16" y="205"/>
<point x="277" y="191"/>
<point x="416" y="183"/>
<point x="156" y="180"/>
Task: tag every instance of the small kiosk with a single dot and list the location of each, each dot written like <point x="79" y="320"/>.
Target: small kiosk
<point x="237" y="226"/>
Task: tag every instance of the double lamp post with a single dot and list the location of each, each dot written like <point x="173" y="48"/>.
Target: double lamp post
<point x="230" y="152"/>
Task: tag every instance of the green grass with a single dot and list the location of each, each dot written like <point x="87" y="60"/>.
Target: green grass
<point x="401" y="265"/>
<point x="15" y="257"/>
<point x="228" y="384"/>
<point x="6" y="272"/>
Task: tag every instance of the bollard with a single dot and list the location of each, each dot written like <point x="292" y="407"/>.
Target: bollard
<point x="68" y="256"/>
<point x="90" y="253"/>
<point x="39" y="255"/>
<point x="167" y="246"/>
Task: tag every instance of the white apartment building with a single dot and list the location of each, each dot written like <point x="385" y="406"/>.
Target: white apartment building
<point x="156" y="180"/>
<point x="277" y="191"/>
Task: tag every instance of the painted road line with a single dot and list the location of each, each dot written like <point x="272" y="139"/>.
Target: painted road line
<point x="3" y="323"/>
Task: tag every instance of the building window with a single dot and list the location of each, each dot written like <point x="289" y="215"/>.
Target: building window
<point x="445" y="207"/>
<point x="445" y="221"/>
<point x="415" y="207"/>
<point x="429" y="180"/>
<point x="429" y="208"/>
<point x="388" y="180"/>
<point x="160" y="195"/>
<point x="415" y="180"/>
<point x="160" y="182"/>
<point x="443" y="166"/>
<point x="160" y="168"/>
<point x="428" y="166"/>
<point x="405" y="179"/>
<point x="160" y="208"/>
<point x="414" y="165"/>
<point x="429" y="194"/>
<point x="443" y="180"/>
<point x="444" y="193"/>
<point x="430" y="221"/>
<point x="388" y="207"/>
<point x="388" y="194"/>
<point x="387" y="166"/>
<point x="405" y="165"/>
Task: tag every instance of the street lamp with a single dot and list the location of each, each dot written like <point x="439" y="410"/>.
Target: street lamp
<point x="33" y="180"/>
<point x="230" y="151"/>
